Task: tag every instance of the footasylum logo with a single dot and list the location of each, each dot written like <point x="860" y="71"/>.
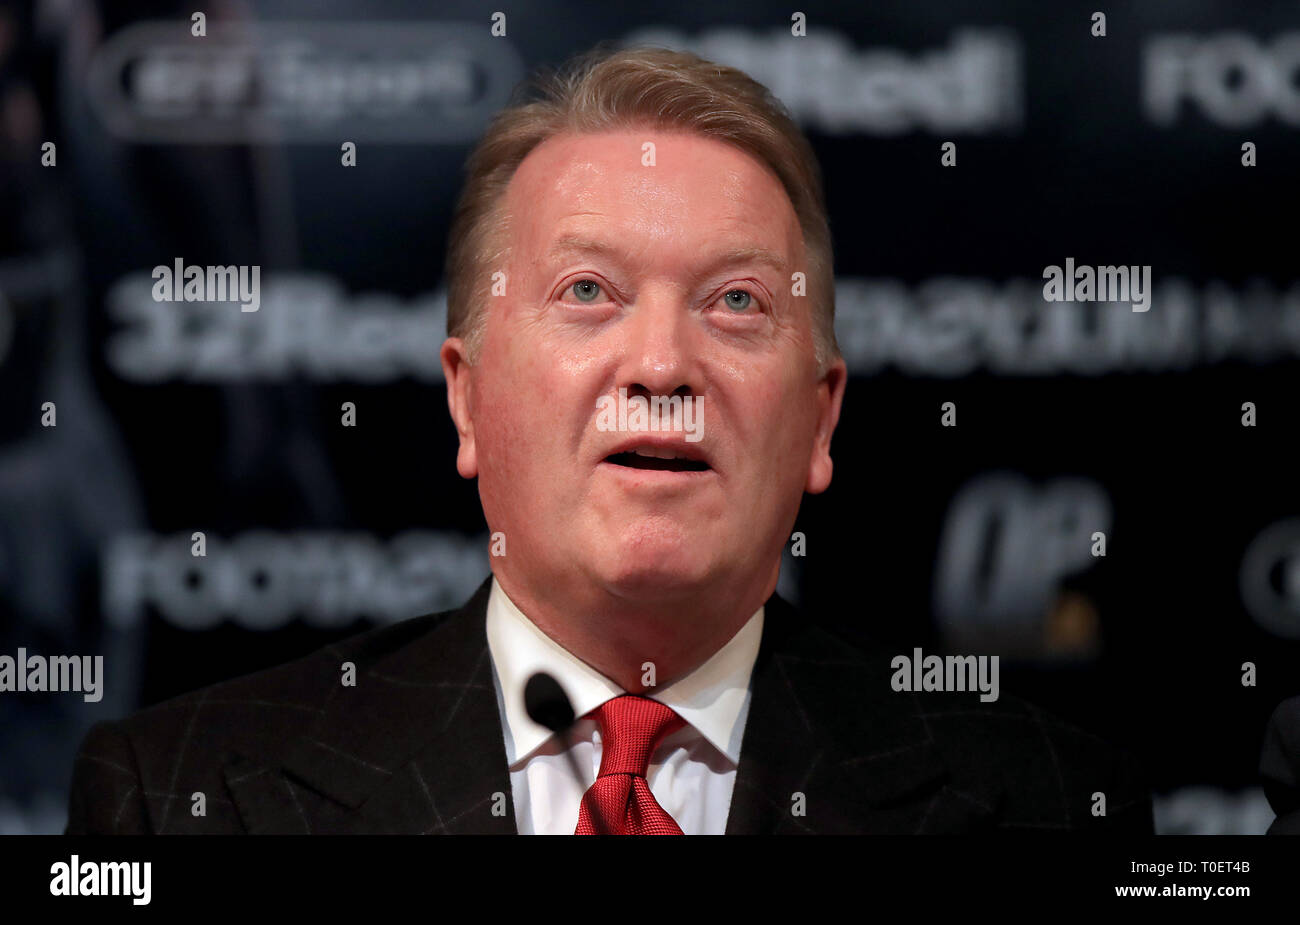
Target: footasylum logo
<point x="103" y="878"/>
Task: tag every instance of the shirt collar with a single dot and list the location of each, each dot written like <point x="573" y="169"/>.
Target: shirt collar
<point x="712" y="698"/>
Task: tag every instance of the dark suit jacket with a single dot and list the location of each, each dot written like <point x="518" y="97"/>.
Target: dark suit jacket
<point x="1279" y="767"/>
<point x="417" y="747"/>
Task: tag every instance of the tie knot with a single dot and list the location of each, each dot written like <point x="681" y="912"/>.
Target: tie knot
<point x="630" y="728"/>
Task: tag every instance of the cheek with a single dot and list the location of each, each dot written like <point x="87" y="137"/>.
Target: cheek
<point x="523" y="412"/>
<point x="773" y="412"/>
<point x="501" y="427"/>
<point x="788" y="418"/>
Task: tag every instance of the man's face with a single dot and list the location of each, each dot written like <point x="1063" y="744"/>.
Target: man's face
<point x="665" y="280"/>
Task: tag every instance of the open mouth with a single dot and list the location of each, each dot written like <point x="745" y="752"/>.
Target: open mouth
<point x="660" y="460"/>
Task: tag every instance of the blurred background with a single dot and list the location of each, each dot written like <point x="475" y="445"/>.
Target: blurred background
<point x="1073" y="418"/>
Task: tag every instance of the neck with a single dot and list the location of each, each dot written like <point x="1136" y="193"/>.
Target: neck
<point x="636" y="643"/>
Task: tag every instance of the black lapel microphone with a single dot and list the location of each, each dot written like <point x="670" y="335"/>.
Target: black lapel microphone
<point x="548" y="705"/>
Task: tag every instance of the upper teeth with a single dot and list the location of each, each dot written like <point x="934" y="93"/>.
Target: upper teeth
<point x="656" y="453"/>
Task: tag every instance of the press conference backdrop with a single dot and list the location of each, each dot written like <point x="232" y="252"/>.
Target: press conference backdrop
<point x="1171" y="141"/>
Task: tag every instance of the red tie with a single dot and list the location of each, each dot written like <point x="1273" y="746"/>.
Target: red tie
<point x="620" y="802"/>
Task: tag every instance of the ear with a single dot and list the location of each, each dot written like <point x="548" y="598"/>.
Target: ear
<point x="830" y="394"/>
<point x="459" y="374"/>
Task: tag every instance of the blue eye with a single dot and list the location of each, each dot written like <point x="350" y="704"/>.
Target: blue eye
<point x="741" y="304"/>
<point x="586" y="290"/>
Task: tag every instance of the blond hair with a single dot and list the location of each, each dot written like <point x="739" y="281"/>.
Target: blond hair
<point x="608" y="89"/>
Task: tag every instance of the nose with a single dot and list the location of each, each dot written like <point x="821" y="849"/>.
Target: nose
<point x="660" y="357"/>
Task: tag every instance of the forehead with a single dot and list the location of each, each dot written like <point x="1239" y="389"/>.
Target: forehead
<point x="697" y="189"/>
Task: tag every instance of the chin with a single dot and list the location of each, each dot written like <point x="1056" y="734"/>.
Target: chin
<point x="650" y="571"/>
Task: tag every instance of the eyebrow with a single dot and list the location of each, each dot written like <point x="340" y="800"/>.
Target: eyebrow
<point x="572" y="243"/>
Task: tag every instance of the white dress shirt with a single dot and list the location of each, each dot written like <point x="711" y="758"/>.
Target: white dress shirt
<point x="691" y="772"/>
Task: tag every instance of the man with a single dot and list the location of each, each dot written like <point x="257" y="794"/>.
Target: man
<point x="650" y="234"/>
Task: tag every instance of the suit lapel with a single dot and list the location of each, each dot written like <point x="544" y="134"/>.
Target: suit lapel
<point x="824" y="723"/>
<point x="415" y="747"/>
